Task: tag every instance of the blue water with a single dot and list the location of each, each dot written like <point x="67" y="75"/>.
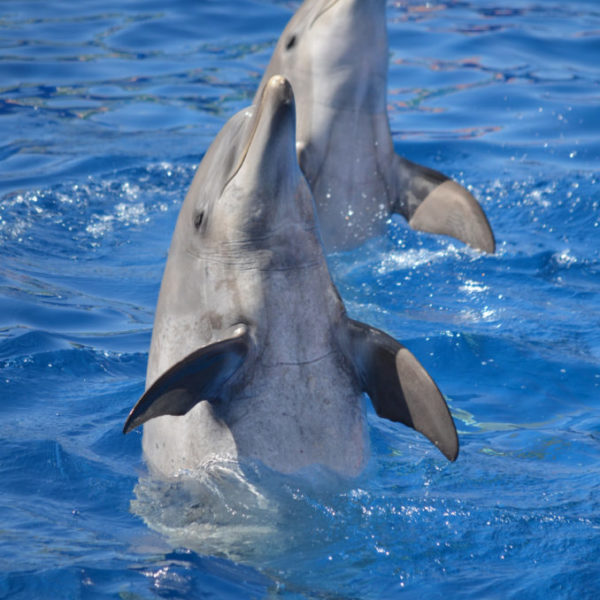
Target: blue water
<point x="105" y="111"/>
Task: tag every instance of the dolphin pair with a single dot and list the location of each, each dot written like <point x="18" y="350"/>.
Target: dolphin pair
<point x="253" y="355"/>
<point x="335" y="55"/>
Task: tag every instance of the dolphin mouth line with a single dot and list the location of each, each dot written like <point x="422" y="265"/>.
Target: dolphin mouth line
<point x="257" y="117"/>
<point x="323" y="11"/>
<point x="244" y="154"/>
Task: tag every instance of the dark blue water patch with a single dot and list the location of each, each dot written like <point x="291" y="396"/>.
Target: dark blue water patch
<point x="74" y="318"/>
<point x="65" y="501"/>
<point x="34" y="467"/>
<point x="32" y="342"/>
<point x="29" y="584"/>
<point x="185" y="574"/>
<point x="79" y="363"/>
<point x="176" y="575"/>
<point x="81" y="395"/>
<point x="110" y="442"/>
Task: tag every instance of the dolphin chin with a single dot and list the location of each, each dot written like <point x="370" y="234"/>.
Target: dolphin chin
<point x="253" y="357"/>
<point x="335" y="54"/>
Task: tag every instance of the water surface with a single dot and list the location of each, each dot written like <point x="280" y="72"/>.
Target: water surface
<point x="106" y="108"/>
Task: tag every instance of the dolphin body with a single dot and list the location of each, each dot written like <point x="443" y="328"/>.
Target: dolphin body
<point x="335" y="55"/>
<point x="253" y="355"/>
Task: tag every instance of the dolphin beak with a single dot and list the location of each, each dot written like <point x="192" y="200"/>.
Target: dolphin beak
<point x="274" y="135"/>
<point x="271" y="145"/>
<point x="351" y="5"/>
<point x="276" y="118"/>
<point x="278" y="91"/>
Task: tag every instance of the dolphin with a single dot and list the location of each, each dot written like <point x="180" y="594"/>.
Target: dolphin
<point x="253" y="355"/>
<point x="335" y="55"/>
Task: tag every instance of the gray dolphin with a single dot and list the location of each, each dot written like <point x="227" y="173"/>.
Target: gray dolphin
<point x="335" y="55"/>
<point x="252" y="353"/>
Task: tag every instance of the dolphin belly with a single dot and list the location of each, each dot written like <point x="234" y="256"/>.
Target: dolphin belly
<point x="287" y="416"/>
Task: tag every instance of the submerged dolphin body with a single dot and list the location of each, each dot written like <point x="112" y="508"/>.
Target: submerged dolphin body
<point x="252" y="353"/>
<point x="335" y="55"/>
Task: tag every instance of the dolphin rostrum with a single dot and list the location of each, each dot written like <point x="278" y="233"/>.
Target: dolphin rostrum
<point x="253" y="355"/>
<point x="335" y="55"/>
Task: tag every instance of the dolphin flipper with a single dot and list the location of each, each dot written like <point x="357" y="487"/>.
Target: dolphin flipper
<point x="432" y="202"/>
<point x="199" y="376"/>
<point x="400" y="388"/>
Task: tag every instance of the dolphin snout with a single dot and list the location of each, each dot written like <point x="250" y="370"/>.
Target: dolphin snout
<point x="280" y="89"/>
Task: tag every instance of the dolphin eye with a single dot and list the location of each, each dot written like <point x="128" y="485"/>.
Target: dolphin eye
<point x="290" y="43"/>
<point x="198" y="219"/>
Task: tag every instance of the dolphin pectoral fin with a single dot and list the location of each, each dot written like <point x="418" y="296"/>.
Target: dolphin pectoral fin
<point x="433" y="203"/>
<point x="400" y="388"/>
<point x="451" y="210"/>
<point x="199" y="376"/>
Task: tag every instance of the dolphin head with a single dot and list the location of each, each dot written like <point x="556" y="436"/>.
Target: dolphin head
<point x="336" y="53"/>
<point x="247" y="219"/>
<point x="251" y="201"/>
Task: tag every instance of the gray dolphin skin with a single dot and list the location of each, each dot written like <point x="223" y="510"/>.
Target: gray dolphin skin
<point x="335" y="55"/>
<point x="253" y="355"/>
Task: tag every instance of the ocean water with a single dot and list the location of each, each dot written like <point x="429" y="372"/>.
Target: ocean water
<point x="106" y="108"/>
